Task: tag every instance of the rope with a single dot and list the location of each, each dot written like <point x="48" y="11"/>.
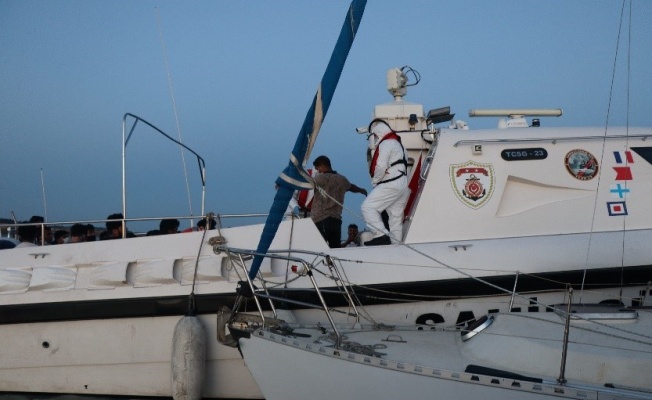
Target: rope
<point x="192" y="309"/>
<point x="606" y="127"/>
<point x="174" y="107"/>
<point x="629" y="52"/>
<point x="443" y="265"/>
<point x="482" y="281"/>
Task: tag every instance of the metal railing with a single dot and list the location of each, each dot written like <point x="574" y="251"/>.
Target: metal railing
<point x="302" y="268"/>
<point x="125" y="140"/>
<point x="9" y="230"/>
<point x="552" y="140"/>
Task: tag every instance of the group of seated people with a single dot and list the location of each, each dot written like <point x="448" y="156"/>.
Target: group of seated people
<point x="37" y="235"/>
<point x="171" y="225"/>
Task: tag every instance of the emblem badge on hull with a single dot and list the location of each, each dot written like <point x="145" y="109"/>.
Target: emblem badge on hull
<point x="473" y="183"/>
<point x="581" y="164"/>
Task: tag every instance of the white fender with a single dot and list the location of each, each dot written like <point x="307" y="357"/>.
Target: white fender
<point x="188" y="359"/>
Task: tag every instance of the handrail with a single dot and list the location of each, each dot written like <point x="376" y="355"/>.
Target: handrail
<point x="562" y="369"/>
<point x="93" y="221"/>
<point x="64" y="224"/>
<point x="252" y="287"/>
<point x="553" y="139"/>
<point x="336" y="271"/>
<point x="218" y="218"/>
<point x="427" y="162"/>
<point x="133" y="219"/>
<point x="125" y="139"/>
<point x="307" y="271"/>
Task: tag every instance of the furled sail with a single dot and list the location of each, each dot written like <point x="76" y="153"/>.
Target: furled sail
<point x="294" y="176"/>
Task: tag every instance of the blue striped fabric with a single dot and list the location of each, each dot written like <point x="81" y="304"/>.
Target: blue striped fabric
<point x="293" y="176"/>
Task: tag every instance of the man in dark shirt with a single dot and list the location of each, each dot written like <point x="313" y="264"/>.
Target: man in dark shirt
<point x="326" y="213"/>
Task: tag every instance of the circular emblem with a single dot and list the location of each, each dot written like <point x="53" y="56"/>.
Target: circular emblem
<point x="473" y="188"/>
<point x="581" y="164"/>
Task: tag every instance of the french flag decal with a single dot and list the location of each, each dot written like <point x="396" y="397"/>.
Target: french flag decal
<point x="623" y="157"/>
<point x="617" y="208"/>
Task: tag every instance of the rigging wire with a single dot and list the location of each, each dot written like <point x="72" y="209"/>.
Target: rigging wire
<point x="627" y="89"/>
<point x="174" y="106"/>
<point x="484" y="282"/>
<point x="604" y="143"/>
<point x="613" y="69"/>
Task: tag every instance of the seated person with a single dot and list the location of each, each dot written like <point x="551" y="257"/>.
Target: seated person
<point x="77" y="233"/>
<point x="60" y="236"/>
<point x="201" y="225"/>
<point x="114" y="227"/>
<point x="27" y="236"/>
<point x="90" y="233"/>
<point x="353" y="239"/>
<point x="168" y="226"/>
<point x="40" y="230"/>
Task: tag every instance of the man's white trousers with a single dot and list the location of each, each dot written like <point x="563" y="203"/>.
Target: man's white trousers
<point x="391" y="197"/>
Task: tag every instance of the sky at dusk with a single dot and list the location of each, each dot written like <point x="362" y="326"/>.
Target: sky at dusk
<point x="242" y="75"/>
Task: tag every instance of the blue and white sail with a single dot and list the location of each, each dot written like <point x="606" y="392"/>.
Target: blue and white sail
<point x="294" y="177"/>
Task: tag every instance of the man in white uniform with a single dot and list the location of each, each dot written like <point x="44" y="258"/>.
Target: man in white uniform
<point x="388" y="170"/>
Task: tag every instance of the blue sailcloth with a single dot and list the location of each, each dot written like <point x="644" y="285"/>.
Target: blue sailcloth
<point x="294" y="177"/>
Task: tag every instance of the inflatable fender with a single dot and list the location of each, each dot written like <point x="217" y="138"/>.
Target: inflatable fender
<point x="188" y="359"/>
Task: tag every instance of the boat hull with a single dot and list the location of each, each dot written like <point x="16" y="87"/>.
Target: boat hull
<point x="516" y="357"/>
<point x="84" y="299"/>
<point x="334" y="378"/>
<point x="112" y="357"/>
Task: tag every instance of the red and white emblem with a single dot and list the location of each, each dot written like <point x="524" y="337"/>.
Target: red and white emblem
<point x="472" y="182"/>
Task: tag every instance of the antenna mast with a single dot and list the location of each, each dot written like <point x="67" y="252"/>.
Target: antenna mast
<point x="45" y="204"/>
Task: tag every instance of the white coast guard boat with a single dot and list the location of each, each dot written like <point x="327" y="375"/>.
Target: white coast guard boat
<point x="544" y="209"/>
<point x="572" y="352"/>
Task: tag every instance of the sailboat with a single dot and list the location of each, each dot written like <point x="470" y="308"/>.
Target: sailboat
<point x="548" y="208"/>
<point x="569" y="351"/>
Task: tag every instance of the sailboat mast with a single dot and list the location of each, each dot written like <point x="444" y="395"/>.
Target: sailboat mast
<point x="293" y="176"/>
